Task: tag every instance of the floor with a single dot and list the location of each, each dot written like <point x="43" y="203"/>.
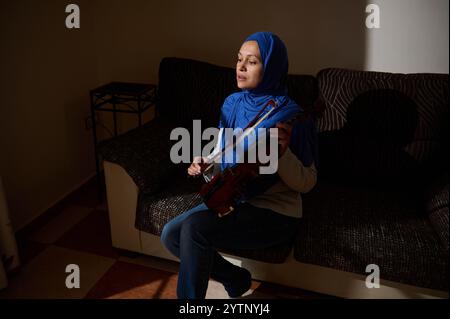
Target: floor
<point x="78" y="234"/>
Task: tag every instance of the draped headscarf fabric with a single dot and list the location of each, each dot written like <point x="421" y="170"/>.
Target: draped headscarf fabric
<point x="239" y="109"/>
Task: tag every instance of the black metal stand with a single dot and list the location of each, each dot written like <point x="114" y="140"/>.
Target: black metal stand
<point x="119" y="97"/>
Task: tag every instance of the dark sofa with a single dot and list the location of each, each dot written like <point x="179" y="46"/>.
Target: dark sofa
<point x="382" y="191"/>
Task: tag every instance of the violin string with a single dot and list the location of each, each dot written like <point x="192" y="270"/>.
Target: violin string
<point x="239" y="139"/>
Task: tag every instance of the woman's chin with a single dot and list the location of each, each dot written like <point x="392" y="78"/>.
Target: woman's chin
<point x="242" y="86"/>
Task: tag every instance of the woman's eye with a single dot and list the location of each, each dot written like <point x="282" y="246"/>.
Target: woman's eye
<point x="252" y="62"/>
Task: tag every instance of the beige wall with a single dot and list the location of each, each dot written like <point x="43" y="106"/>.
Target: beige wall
<point x="47" y="70"/>
<point x="317" y="33"/>
<point x="413" y="37"/>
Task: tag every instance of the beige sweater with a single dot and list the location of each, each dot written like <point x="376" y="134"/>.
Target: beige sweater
<point x="285" y="196"/>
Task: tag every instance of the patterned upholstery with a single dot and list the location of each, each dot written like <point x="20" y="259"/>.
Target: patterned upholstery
<point x="349" y="227"/>
<point x="155" y="210"/>
<point x="144" y="154"/>
<point x="436" y="205"/>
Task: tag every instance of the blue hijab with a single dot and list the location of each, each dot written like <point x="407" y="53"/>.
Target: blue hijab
<point x="240" y="108"/>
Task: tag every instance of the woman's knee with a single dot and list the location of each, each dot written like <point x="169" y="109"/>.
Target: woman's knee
<point x="196" y="225"/>
<point x="169" y="236"/>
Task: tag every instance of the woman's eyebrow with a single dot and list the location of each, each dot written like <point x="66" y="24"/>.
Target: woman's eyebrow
<point x="239" y="53"/>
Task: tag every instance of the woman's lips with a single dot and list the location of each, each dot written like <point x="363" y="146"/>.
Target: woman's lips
<point x="241" y="78"/>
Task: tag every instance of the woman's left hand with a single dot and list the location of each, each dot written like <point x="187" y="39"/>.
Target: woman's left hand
<point x="284" y="137"/>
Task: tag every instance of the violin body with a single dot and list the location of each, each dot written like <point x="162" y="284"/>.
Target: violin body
<point x="224" y="191"/>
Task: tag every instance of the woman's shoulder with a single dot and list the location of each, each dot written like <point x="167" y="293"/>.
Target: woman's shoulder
<point x="230" y="101"/>
<point x="233" y="97"/>
<point x="227" y="108"/>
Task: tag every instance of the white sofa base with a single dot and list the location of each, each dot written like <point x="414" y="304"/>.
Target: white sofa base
<point x="122" y="194"/>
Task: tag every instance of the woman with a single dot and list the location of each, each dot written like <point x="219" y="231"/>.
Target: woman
<point x="264" y="220"/>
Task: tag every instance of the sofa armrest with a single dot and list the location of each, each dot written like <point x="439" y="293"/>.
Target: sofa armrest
<point x="144" y="153"/>
<point x="436" y="200"/>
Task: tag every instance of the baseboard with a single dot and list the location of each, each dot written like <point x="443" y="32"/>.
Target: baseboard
<point x="53" y="209"/>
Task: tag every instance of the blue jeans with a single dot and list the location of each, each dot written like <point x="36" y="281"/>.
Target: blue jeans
<point x="196" y="235"/>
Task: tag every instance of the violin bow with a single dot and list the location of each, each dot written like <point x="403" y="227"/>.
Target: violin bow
<point x="250" y="127"/>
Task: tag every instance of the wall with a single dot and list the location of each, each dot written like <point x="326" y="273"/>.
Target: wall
<point x="413" y="37"/>
<point x="317" y="33"/>
<point x="46" y="72"/>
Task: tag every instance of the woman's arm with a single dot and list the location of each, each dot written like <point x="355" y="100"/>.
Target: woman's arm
<point x="294" y="174"/>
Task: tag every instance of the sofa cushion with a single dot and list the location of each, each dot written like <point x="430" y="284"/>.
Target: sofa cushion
<point x="350" y="227"/>
<point x="155" y="210"/>
<point x="436" y="198"/>
<point x="439" y="217"/>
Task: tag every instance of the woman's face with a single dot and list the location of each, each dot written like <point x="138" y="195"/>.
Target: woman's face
<point x="249" y="67"/>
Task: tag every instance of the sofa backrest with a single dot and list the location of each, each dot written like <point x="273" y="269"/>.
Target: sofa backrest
<point x="420" y="100"/>
<point x="190" y="89"/>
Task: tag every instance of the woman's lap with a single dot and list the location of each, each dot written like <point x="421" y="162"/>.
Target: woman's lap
<point x="247" y="227"/>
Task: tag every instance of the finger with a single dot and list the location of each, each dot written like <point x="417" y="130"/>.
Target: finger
<point x="194" y="167"/>
<point x="193" y="171"/>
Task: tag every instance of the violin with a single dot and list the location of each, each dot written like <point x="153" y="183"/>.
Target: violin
<point x="224" y="191"/>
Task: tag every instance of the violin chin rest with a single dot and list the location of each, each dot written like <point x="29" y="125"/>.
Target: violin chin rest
<point x="230" y="209"/>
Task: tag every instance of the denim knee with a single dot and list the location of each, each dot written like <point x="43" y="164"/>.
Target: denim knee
<point x="194" y="228"/>
<point x="169" y="238"/>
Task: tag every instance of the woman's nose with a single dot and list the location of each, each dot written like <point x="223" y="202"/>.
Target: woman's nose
<point x="241" y="66"/>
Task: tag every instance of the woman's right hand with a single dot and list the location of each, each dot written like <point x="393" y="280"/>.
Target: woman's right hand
<point x="195" y="168"/>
